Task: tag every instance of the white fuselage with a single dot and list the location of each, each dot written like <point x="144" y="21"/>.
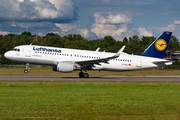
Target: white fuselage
<point x="44" y="55"/>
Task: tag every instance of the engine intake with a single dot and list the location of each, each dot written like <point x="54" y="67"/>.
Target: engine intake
<point x="64" y="67"/>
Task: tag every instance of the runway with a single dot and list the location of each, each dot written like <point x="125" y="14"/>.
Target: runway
<point x="25" y="78"/>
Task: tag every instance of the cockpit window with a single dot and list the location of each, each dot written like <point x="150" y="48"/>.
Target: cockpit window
<point x="15" y="49"/>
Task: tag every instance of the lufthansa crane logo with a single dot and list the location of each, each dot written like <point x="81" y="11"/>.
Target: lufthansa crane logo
<point x="160" y="45"/>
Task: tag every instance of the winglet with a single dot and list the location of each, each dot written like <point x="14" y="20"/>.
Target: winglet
<point x="97" y="49"/>
<point x="120" y="51"/>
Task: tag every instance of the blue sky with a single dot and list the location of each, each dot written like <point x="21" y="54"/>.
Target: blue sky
<point x="92" y="19"/>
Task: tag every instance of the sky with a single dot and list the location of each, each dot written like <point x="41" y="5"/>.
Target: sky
<point x="92" y="19"/>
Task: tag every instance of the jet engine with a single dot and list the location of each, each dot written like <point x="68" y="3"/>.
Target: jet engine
<point x="64" y="67"/>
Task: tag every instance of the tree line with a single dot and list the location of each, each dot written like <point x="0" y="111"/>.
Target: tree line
<point x="134" y="44"/>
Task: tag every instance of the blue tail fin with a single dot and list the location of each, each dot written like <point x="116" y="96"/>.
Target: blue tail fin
<point x="158" y="48"/>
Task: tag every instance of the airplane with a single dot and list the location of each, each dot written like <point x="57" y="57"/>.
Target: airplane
<point x="69" y="60"/>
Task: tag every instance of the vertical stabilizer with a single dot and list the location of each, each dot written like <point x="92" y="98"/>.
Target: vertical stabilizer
<point x="158" y="48"/>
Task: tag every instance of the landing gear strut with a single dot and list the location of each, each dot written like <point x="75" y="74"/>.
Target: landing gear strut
<point x="83" y="75"/>
<point x="26" y="71"/>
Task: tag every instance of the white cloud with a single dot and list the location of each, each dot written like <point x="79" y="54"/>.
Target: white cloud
<point x="99" y="18"/>
<point x="102" y="30"/>
<point x="117" y="19"/>
<point x="171" y="27"/>
<point x="177" y="22"/>
<point x="112" y="19"/>
<point x="46" y="13"/>
<point x="40" y="34"/>
<point x="84" y="32"/>
<point x="121" y="29"/>
<point x="58" y="11"/>
<point x="144" y="32"/>
<point x="66" y="27"/>
<point x="107" y="26"/>
<point x="4" y="33"/>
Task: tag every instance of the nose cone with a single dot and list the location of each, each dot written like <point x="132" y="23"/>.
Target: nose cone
<point x="7" y="55"/>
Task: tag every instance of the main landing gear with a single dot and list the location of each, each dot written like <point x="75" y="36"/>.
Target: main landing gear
<point x="26" y="71"/>
<point x="83" y="75"/>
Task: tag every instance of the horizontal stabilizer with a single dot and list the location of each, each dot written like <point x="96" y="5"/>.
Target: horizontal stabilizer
<point x="161" y="61"/>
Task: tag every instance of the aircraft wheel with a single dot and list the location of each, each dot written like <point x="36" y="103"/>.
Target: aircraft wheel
<point x="85" y="75"/>
<point x="25" y="71"/>
<point x="81" y="74"/>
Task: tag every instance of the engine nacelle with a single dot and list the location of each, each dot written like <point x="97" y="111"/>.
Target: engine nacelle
<point x="64" y="67"/>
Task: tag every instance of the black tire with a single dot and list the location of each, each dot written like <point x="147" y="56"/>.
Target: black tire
<point x="25" y="71"/>
<point x="85" y="75"/>
<point x="81" y="74"/>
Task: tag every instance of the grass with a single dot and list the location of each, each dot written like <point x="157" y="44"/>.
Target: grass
<point x="48" y="71"/>
<point x="23" y="100"/>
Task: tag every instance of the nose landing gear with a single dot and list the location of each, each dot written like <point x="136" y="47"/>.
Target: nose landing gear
<point x="26" y="71"/>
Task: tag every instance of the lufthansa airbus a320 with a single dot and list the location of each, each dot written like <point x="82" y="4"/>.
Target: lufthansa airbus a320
<point x="69" y="60"/>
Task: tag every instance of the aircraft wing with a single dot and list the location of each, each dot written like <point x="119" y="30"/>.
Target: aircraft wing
<point x="86" y="63"/>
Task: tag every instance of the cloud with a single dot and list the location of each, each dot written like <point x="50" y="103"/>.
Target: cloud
<point x="109" y="25"/>
<point x="63" y="11"/>
<point x="112" y="19"/>
<point x="4" y="32"/>
<point x="102" y="30"/>
<point x="117" y="19"/>
<point x="34" y="28"/>
<point x="171" y="27"/>
<point x="99" y="18"/>
<point x="144" y="32"/>
<point x="84" y="32"/>
<point x="66" y="27"/>
<point x="177" y="22"/>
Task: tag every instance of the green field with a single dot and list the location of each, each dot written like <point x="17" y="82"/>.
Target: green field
<point x="23" y="100"/>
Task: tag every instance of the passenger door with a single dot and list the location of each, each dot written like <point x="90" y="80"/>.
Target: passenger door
<point x="28" y="51"/>
<point x="139" y="62"/>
